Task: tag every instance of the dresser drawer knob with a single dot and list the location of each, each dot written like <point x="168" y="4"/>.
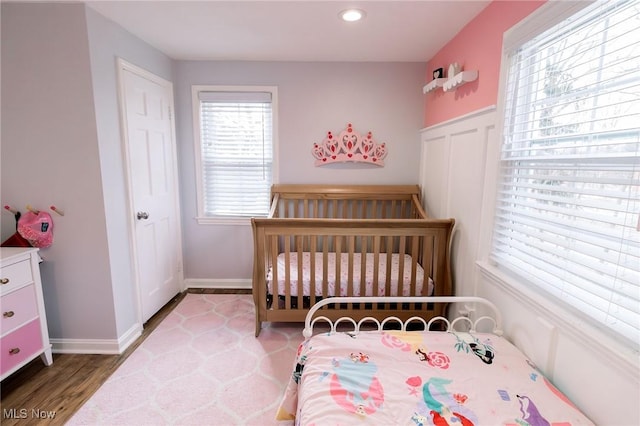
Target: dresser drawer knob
<point x="14" y="351"/>
<point x="8" y="314"/>
<point x="4" y="281"/>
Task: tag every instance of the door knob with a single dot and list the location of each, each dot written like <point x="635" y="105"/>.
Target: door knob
<point x="142" y="215"/>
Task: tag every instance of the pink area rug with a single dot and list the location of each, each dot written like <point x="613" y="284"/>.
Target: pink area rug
<point x="201" y="366"/>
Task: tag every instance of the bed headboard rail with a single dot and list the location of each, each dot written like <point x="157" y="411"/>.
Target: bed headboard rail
<point x="493" y="318"/>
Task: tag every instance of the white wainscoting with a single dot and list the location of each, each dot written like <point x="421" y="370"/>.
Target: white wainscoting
<point x="452" y="174"/>
<point x="458" y="170"/>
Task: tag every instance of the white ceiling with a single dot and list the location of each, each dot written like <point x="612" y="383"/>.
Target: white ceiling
<point x="301" y="30"/>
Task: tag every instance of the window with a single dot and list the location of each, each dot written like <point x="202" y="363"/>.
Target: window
<point x="235" y="151"/>
<point x="568" y="202"/>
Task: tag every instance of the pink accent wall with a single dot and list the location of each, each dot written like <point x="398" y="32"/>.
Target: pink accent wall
<point x="478" y="46"/>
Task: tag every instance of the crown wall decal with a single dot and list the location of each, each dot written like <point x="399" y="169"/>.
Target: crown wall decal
<point x="349" y="146"/>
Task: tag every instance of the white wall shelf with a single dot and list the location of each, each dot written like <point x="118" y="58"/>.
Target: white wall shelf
<point x="433" y="85"/>
<point x="459" y="79"/>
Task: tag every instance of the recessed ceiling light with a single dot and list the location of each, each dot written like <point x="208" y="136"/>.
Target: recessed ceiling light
<point x="352" y="15"/>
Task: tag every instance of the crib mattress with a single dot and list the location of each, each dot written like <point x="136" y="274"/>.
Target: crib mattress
<point x="340" y="288"/>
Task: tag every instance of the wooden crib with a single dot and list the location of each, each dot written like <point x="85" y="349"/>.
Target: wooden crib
<point x="348" y="240"/>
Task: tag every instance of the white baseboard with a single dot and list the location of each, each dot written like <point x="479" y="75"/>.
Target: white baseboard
<point x="118" y="346"/>
<point x="97" y="346"/>
<point x="225" y="283"/>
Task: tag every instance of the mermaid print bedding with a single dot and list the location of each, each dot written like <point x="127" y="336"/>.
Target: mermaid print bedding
<point x="418" y="379"/>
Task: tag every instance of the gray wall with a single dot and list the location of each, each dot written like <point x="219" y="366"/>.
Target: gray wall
<point x="50" y="156"/>
<point x="61" y="145"/>
<point x="107" y="42"/>
<point x="314" y="98"/>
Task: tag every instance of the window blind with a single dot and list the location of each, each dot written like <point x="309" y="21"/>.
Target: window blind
<point x="236" y="134"/>
<point x="569" y="190"/>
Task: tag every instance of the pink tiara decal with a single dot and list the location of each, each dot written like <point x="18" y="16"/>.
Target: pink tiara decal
<point x="349" y="146"/>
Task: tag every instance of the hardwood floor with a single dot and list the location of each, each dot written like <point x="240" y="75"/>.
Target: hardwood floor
<point x="37" y="394"/>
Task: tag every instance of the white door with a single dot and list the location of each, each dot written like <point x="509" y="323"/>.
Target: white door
<point x="147" y="102"/>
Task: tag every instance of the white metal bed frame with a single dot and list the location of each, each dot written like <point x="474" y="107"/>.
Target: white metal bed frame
<point x="494" y="316"/>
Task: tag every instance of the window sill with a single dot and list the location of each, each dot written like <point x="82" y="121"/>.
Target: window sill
<point x="232" y="221"/>
<point x="570" y="323"/>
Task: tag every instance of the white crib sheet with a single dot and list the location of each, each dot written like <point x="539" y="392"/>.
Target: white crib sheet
<point x="344" y="270"/>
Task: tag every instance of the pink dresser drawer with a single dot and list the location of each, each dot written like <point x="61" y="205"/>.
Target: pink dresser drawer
<point x="18" y="307"/>
<point x="20" y="345"/>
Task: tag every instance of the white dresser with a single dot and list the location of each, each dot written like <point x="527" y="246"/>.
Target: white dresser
<point x="23" y="324"/>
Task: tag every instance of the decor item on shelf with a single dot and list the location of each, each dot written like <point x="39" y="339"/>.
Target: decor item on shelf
<point x="349" y="146"/>
<point x="455" y="77"/>
<point x="454" y="69"/>
<point x="438" y="81"/>
<point x="459" y="79"/>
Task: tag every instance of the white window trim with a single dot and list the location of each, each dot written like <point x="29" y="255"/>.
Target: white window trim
<point x="572" y="324"/>
<point x="195" y="105"/>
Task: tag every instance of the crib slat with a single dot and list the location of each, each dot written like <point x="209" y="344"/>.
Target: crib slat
<point x="427" y="263"/>
<point x="299" y="241"/>
<point x="363" y="266"/>
<point x="414" y="270"/>
<point x="387" y="288"/>
<point x="376" y="265"/>
<point x="287" y="272"/>
<point x="402" y="247"/>
<point x="338" y="250"/>
<point x="350" y="248"/>
<point x="325" y="265"/>
<point x="274" y="271"/>
<point x="312" y="272"/>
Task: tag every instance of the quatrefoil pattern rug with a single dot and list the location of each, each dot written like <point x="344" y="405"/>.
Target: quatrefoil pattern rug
<point x="201" y="365"/>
